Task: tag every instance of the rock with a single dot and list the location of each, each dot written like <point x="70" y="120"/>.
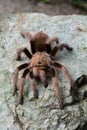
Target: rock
<point x="42" y="114"/>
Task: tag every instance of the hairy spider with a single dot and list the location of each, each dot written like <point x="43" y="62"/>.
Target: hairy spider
<point x="41" y="66"/>
<point x="40" y="41"/>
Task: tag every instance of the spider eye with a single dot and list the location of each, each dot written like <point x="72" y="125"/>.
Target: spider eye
<point x="39" y="62"/>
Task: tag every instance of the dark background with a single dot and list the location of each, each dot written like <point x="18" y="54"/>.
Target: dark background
<point x="54" y="7"/>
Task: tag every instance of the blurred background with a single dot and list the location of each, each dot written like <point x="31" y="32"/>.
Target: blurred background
<point x="50" y="7"/>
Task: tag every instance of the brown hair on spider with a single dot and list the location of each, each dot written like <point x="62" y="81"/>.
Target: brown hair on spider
<point x="41" y="41"/>
<point x="41" y="65"/>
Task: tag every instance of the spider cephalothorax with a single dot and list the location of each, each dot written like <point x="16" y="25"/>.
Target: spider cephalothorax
<point x="40" y="41"/>
<point x="40" y="65"/>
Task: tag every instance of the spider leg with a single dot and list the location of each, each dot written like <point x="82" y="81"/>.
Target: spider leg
<point x="73" y="88"/>
<point x="43" y="78"/>
<point x="15" y="76"/>
<point x="60" y="47"/>
<point x="30" y="37"/>
<point x="64" y="70"/>
<point x="26" y="34"/>
<point x="25" y="51"/>
<point x="54" y="51"/>
<point x="53" y="39"/>
<point x="33" y="84"/>
<point x="57" y="87"/>
<point x="33" y="45"/>
<point x="48" y="48"/>
<point x="21" y="86"/>
<point x="64" y="45"/>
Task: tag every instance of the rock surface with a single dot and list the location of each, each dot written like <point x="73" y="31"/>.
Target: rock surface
<point x="42" y="114"/>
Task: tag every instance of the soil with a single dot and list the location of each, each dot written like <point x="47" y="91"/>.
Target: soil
<point x="56" y="7"/>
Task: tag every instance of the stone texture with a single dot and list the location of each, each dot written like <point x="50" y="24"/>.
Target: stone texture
<point x="42" y="114"/>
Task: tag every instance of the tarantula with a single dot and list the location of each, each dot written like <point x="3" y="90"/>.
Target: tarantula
<point x="40" y="67"/>
<point x="41" y="42"/>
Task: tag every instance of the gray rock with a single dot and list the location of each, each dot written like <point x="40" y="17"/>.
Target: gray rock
<point x="42" y="114"/>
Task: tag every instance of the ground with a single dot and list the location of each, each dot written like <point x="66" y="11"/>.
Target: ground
<point x="57" y="7"/>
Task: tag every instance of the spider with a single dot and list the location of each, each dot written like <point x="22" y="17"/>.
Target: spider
<point x="40" y="67"/>
<point x="40" y="41"/>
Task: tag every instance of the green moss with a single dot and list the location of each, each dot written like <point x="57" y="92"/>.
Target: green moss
<point x="80" y="3"/>
<point x="45" y="1"/>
